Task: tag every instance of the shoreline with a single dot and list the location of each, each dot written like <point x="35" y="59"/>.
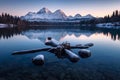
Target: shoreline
<point x="114" y="25"/>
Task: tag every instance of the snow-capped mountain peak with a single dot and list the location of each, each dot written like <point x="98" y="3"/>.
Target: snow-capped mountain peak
<point x="59" y="11"/>
<point x="77" y="16"/>
<point x="44" y="10"/>
<point x="59" y="14"/>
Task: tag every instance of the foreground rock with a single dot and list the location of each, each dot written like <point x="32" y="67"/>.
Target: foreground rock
<point x="84" y="53"/>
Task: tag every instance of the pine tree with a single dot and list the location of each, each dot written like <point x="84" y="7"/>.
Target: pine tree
<point x="0" y="18"/>
<point x="9" y="19"/>
<point x="108" y="18"/>
<point x="119" y="15"/>
<point x="113" y="14"/>
<point x="116" y="13"/>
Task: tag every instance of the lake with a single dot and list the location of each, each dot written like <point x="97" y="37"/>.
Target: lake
<point x="104" y="63"/>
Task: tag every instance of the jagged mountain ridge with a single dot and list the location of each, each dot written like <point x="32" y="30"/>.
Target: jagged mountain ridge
<point x="46" y="14"/>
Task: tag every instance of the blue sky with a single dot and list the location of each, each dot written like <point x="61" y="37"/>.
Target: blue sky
<point x="70" y="7"/>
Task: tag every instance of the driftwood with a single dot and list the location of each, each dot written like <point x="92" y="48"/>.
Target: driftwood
<point x="44" y="49"/>
<point x="29" y="51"/>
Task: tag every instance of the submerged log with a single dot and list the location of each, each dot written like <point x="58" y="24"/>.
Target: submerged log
<point x="84" y="53"/>
<point x="72" y="56"/>
<point x="38" y="60"/>
<point x="29" y="51"/>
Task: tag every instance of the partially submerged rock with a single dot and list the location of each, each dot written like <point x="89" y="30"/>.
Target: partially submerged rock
<point x="72" y="56"/>
<point x="51" y="42"/>
<point x="38" y="60"/>
<point x="84" y="53"/>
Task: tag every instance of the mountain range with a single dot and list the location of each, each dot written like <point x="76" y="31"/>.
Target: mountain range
<point x="45" y="14"/>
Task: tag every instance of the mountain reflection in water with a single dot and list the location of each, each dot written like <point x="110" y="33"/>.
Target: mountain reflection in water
<point x="40" y="33"/>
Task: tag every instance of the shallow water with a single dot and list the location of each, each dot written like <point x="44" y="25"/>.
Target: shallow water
<point x="102" y="65"/>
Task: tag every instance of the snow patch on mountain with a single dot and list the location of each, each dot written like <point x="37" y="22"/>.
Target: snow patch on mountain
<point x="3" y="25"/>
<point x="6" y="25"/>
<point x="115" y="25"/>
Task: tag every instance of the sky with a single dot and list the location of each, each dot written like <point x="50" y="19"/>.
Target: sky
<point x="97" y="8"/>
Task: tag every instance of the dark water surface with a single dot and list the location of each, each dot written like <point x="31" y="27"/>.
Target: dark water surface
<point x="104" y="63"/>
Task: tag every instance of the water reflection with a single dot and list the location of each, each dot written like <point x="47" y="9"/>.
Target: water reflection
<point x="114" y="34"/>
<point x="103" y="64"/>
<point x="7" y="33"/>
<point x="42" y="32"/>
<point x="55" y="33"/>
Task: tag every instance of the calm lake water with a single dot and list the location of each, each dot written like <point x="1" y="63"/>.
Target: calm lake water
<point x="104" y="63"/>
